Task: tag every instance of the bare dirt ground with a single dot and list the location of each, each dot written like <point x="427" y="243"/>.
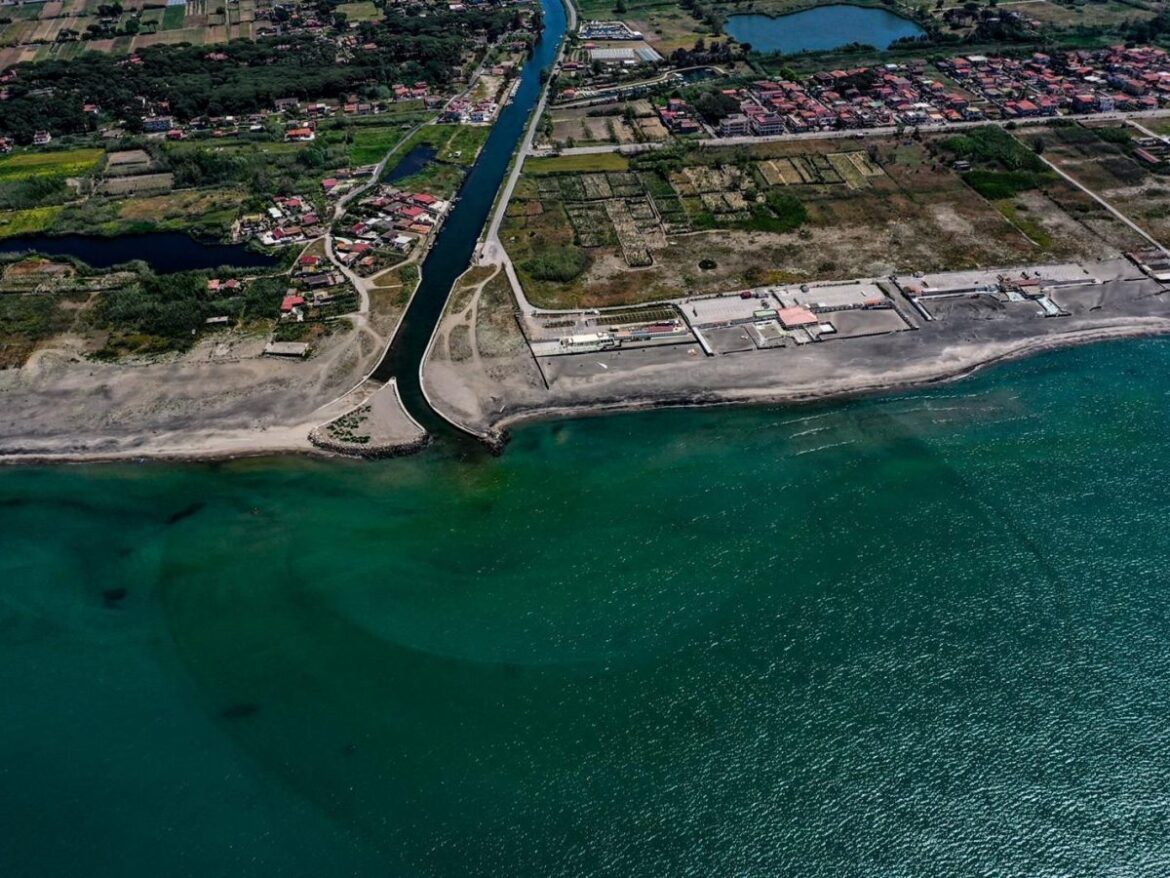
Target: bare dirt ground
<point x="479" y="360"/>
<point x="222" y="398"/>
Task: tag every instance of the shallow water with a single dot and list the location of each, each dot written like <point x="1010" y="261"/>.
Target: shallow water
<point x="821" y="28"/>
<point x="917" y="635"/>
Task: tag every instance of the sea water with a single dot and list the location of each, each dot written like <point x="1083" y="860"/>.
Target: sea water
<point x="920" y="634"/>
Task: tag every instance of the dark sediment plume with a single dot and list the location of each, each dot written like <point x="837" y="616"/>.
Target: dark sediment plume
<point x="185" y="512"/>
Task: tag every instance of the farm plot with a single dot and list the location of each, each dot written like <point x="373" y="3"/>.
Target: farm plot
<point x="563" y="188"/>
<point x="596" y="186"/>
<point x="635" y="250"/>
<point x="127" y="162"/>
<point x="625" y="185"/>
<point x="706" y="179"/>
<point x="64" y="163"/>
<point x="138" y="185"/>
<point x="727" y="206"/>
<point x="852" y="169"/>
<point x="591" y="224"/>
<point x="666" y="201"/>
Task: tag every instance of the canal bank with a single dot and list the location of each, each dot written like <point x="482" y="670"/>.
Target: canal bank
<point x="455" y="243"/>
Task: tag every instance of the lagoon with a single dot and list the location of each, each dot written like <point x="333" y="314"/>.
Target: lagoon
<point x="820" y="29"/>
<point x="164" y="252"/>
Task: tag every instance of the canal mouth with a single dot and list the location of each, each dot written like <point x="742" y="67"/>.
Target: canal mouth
<point x="451" y="253"/>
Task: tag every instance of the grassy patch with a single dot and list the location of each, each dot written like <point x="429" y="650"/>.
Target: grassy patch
<point x="363" y="11"/>
<point x="575" y="164"/>
<point x="994" y="185"/>
<point x="173" y="17"/>
<point x="65" y="163"/>
<point x="561" y="264"/>
<point x="371" y="144"/>
<point x="1025" y="224"/>
<point x="27" y="222"/>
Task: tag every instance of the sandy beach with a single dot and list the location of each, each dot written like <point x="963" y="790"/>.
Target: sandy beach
<point x="481" y="376"/>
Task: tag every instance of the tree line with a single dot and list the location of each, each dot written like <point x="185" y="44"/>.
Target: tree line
<point x="50" y="95"/>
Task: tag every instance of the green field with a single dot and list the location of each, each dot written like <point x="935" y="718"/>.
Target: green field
<point x="66" y="163"/>
<point x="363" y="11"/>
<point x="173" y="16"/>
<point x="27" y="222"/>
<point x="564" y="164"/>
<point x="371" y="144"/>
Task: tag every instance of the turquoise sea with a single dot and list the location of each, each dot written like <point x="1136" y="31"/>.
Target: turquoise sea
<point x="926" y="634"/>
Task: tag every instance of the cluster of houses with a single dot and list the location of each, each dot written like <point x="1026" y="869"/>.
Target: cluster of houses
<point x="468" y="112"/>
<point x="289" y="219"/>
<point x="344" y="179"/>
<point x="864" y="97"/>
<point x="1101" y="81"/>
<point x="975" y="87"/>
<point x="389" y="220"/>
<point x="315" y="288"/>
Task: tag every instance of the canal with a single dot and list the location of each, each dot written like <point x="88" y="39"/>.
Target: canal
<point x="453" y="247"/>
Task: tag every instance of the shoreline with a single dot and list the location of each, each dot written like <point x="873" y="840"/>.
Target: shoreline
<point x="244" y="444"/>
<point x="770" y="397"/>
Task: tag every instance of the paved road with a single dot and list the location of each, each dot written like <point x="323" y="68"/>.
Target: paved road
<point x="491" y="251"/>
<point x="630" y="148"/>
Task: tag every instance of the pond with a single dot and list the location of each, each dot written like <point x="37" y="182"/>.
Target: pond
<point x="411" y="163"/>
<point x="164" y="252"/>
<point x="826" y="27"/>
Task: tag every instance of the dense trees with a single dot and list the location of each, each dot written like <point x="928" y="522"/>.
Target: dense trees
<point x="403" y="47"/>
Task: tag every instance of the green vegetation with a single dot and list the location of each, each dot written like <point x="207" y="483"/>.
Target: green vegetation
<point x="407" y="47"/>
<point x="59" y="163"/>
<point x="370" y="144"/>
<point x="1010" y="167"/>
<point x="993" y="145"/>
<point x="29" y="315"/>
<point x="564" y="164"/>
<point x="157" y="314"/>
<point x="561" y="263"/>
<point x="173" y="17"/>
<point x="788" y="209"/>
<point x="27" y="222"/>
<point x="994" y="185"/>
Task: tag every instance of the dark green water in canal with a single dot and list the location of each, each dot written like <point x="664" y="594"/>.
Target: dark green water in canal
<point x="919" y="635"/>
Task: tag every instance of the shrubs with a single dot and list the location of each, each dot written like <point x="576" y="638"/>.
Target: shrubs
<point x="790" y="213"/>
<point x="994" y="185"/>
<point x="995" y="146"/>
<point x="561" y="264"/>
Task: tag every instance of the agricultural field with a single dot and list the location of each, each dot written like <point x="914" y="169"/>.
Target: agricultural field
<point x="711" y="220"/>
<point x="569" y="164"/>
<point x="61" y="163"/>
<point x="633" y="122"/>
<point x="29" y="221"/>
<point x="39" y="31"/>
